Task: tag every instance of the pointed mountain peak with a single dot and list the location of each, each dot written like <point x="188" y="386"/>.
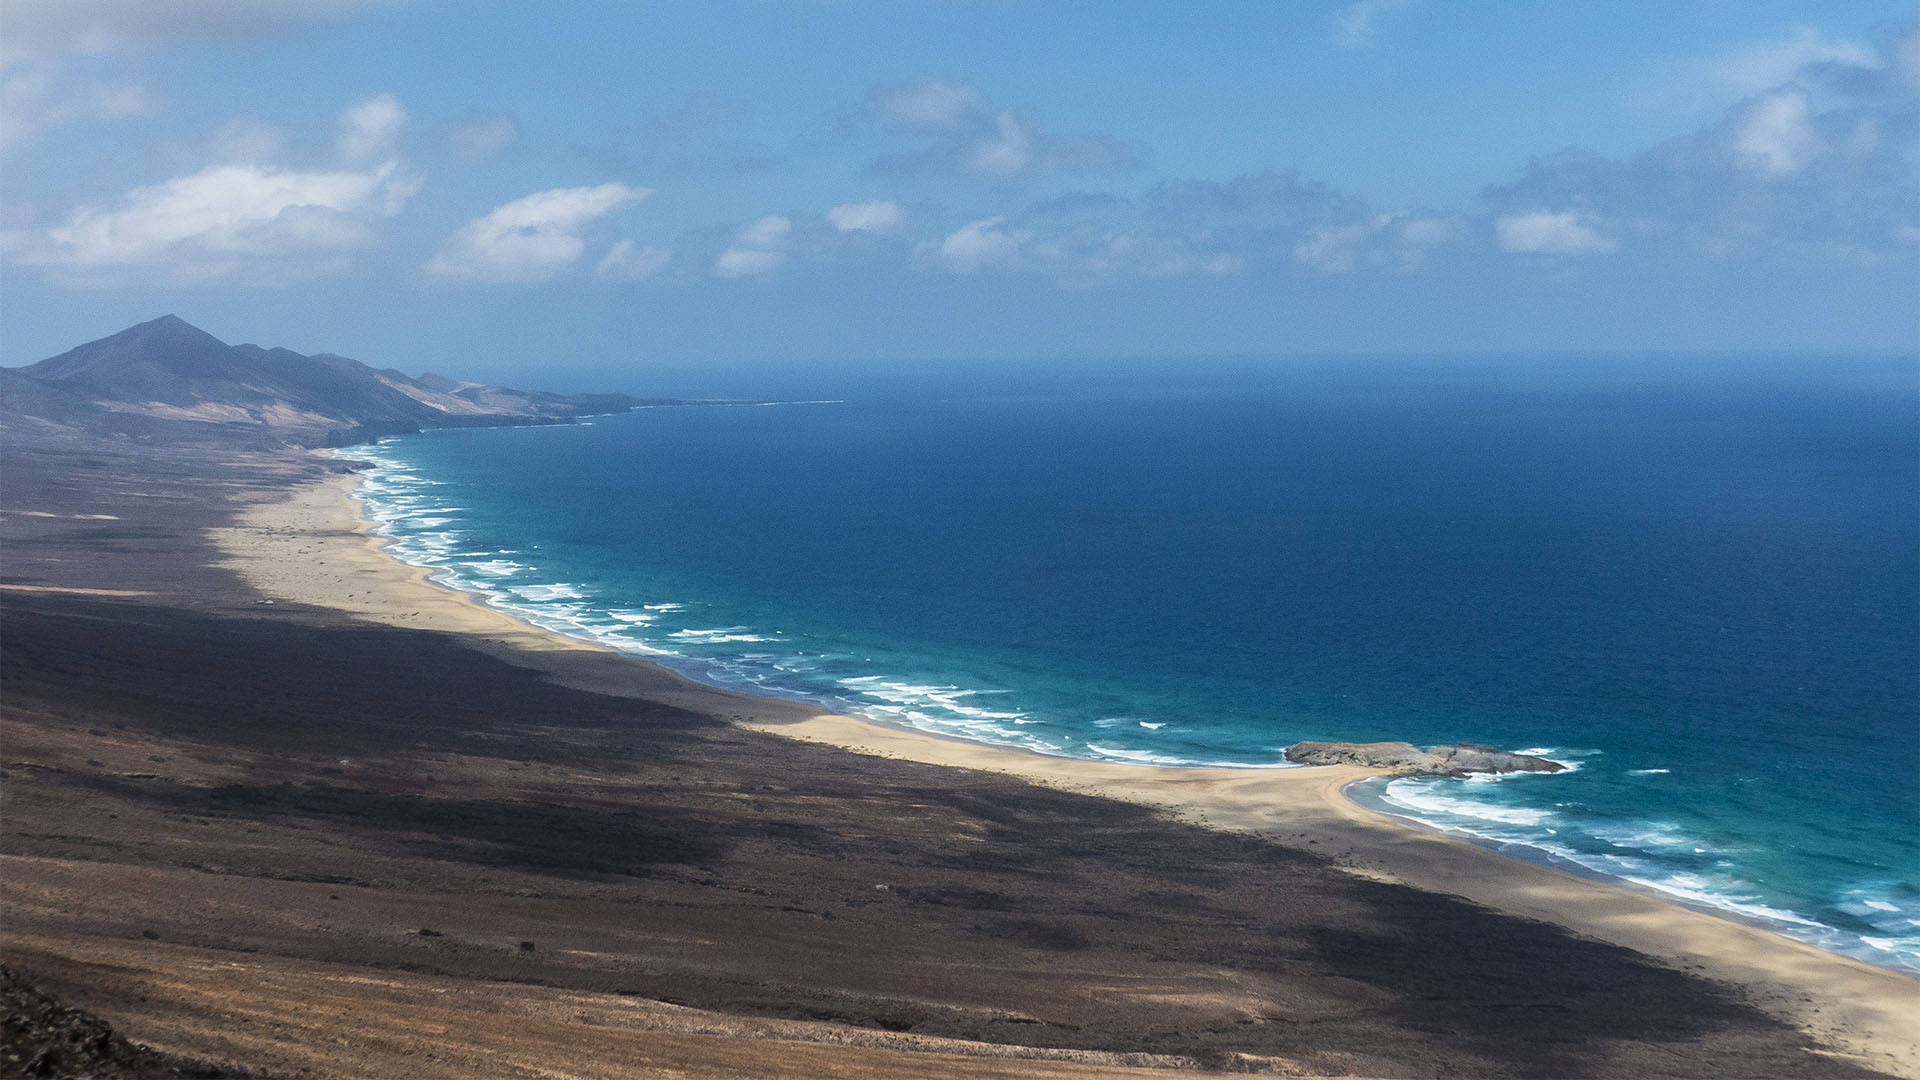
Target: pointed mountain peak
<point x="168" y="332"/>
<point x="149" y="358"/>
<point x="172" y="326"/>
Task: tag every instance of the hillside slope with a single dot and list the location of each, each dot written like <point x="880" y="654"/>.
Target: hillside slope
<point x="169" y="381"/>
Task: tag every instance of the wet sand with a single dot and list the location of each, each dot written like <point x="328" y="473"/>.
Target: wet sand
<point x="220" y="808"/>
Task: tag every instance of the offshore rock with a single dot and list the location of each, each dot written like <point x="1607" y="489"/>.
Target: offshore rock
<point x="1406" y="759"/>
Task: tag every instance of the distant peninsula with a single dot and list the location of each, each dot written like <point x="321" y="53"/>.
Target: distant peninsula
<point x="168" y="382"/>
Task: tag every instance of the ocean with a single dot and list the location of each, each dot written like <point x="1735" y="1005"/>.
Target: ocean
<point x="1696" y="581"/>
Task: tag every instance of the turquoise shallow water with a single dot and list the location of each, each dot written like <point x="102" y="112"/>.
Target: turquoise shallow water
<point x="1700" y="590"/>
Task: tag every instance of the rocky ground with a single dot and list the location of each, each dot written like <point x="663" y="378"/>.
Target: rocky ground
<point x="40" y="1036"/>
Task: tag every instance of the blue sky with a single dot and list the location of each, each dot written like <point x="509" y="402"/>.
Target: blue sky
<point x="622" y="193"/>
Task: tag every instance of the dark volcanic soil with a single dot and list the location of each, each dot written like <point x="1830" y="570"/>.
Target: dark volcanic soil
<point x="195" y="780"/>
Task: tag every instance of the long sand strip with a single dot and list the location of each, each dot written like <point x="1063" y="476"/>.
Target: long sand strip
<point x="315" y="548"/>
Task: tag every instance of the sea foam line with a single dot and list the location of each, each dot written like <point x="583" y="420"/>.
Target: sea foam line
<point x="566" y="608"/>
<point x="1642" y="855"/>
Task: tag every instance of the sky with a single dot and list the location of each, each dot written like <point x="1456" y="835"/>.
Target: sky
<point x="665" y="196"/>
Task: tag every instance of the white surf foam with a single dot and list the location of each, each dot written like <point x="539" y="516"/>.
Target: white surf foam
<point x="719" y="636"/>
<point x="555" y="591"/>
<point x="1428" y="797"/>
<point x="1148" y="757"/>
<point x="944" y="697"/>
<point x="1655" y="836"/>
<point x="495" y="567"/>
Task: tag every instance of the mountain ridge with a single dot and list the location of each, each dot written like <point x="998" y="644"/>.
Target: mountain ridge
<point x="168" y="381"/>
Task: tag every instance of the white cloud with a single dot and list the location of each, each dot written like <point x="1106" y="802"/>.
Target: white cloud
<point x="1550" y="234"/>
<point x="1804" y="58"/>
<point x="369" y="129"/>
<point x="941" y="106"/>
<point x="1186" y="229"/>
<point x="1394" y="241"/>
<point x="1777" y="135"/>
<point x="241" y="140"/>
<point x="1335" y="250"/>
<point x="278" y="223"/>
<point x="626" y="261"/>
<point x="1703" y="195"/>
<point x="33" y="100"/>
<point x="210" y="223"/>
<point x="759" y="247"/>
<point x="1355" y="25"/>
<point x="478" y="138"/>
<point x="963" y="132"/>
<point x="1079" y="249"/>
<point x="1751" y="68"/>
<point x="768" y="233"/>
<point x="531" y="238"/>
<point x="878" y="216"/>
<point x="744" y="262"/>
<point x="979" y="244"/>
<point x="1429" y="232"/>
<point x="1811" y="171"/>
<point x="1006" y="151"/>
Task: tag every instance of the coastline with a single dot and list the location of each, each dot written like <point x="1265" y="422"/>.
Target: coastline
<point x="316" y="548"/>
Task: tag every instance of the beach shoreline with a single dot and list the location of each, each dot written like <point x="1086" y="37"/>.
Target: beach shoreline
<point x="317" y="547"/>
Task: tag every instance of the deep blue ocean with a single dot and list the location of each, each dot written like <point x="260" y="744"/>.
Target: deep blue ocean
<point x="1696" y="580"/>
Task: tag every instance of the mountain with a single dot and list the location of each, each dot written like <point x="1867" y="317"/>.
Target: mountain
<point x="169" y="381"/>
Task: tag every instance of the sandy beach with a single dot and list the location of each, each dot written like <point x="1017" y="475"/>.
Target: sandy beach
<point x="276" y="801"/>
<point x="316" y="548"/>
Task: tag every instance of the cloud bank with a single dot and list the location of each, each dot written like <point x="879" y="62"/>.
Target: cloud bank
<point x="278" y="223"/>
<point x="958" y="131"/>
<point x="1811" y="167"/>
<point x="36" y="99"/>
<point x="627" y="261"/>
<point x="758" y="248"/>
<point x="370" y="129"/>
<point x="532" y="238"/>
<point x="1814" y="168"/>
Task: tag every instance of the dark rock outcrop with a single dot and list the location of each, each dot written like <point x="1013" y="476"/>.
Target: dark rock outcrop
<point x="1406" y="759"/>
<point x="42" y="1036"/>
